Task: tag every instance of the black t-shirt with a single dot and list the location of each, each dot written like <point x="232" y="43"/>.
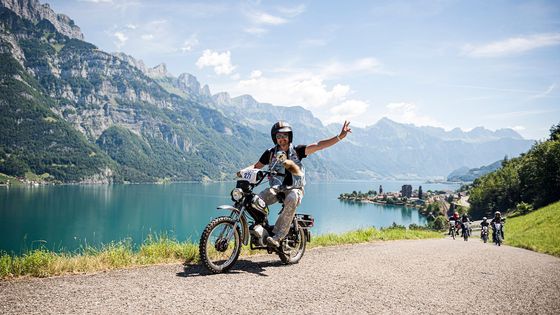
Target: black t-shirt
<point x="300" y="151"/>
<point x="266" y="157"/>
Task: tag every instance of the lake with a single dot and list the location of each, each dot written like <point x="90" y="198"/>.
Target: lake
<point x="66" y="217"/>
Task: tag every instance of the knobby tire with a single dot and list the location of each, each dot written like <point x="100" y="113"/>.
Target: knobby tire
<point x="203" y="245"/>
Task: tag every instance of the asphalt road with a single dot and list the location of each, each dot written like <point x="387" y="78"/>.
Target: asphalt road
<point x="426" y="276"/>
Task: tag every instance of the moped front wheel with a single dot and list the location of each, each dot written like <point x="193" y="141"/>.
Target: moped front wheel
<point x="220" y="244"/>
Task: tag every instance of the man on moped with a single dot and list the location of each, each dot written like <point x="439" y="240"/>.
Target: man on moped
<point x="454" y="218"/>
<point x="465" y="224"/>
<point x="288" y="176"/>
<point x="484" y="223"/>
<point x="497" y="219"/>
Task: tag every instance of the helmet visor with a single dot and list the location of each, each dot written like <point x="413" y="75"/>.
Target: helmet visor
<point x="284" y="129"/>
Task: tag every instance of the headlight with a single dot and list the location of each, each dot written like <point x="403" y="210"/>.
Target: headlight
<point x="236" y="194"/>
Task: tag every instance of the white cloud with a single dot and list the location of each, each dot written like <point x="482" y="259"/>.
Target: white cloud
<point x="121" y="39"/>
<point x="190" y="43"/>
<point x="299" y="89"/>
<point x="545" y="93"/>
<point x="265" y="18"/>
<point x="518" y="128"/>
<point x="308" y="87"/>
<point x="511" y="46"/>
<point x="131" y="26"/>
<point x="256" y="74"/>
<point x="328" y="103"/>
<point x="260" y="19"/>
<point x="220" y="61"/>
<point x="346" y="111"/>
<point x="407" y="113"/>
<point x="292" y="11"/>
<point x="147" y="37"/>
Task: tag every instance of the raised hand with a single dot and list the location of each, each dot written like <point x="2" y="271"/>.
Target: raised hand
<point x="345" y="130"/>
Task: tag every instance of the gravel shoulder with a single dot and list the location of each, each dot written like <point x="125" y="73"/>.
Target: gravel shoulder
<point x="425" y="276"/>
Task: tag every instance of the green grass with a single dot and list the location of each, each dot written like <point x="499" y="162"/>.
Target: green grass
<point x="538" y="231"/>
<point x="4" y="179"/>
<point x="370" y="235"/>
<point x="158" y="249"/>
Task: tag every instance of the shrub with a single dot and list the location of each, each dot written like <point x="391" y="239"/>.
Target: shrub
<point x="440" y="223"/>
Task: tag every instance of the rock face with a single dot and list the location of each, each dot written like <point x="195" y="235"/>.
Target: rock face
<point x="119" y="116"/>
<point x="34" y="11"/>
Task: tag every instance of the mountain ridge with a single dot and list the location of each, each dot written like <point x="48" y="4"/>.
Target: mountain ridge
<point x="143" y="124"/>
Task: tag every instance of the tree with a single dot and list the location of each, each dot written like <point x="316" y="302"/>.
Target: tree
<point x="440" y="223"/>
<point x="555" y="132"/>
<point x="420" y="192"/>
<point x="533" y="179"/>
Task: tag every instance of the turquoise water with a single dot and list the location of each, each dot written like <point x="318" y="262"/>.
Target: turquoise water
<point x="65" y="218"/>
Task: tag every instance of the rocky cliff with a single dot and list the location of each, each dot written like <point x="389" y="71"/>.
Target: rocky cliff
<point x="34" y="11"/>
<point x="144" y="132"/>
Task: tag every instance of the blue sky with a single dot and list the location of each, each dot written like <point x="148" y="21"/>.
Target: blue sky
<point x="450" y="64"/>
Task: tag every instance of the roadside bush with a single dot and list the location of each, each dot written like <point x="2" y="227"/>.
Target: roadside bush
<point x="396" y="226"/>
<point x="418" y="227"/>
<point x="440" y="223"/>
<point x="523" y="208"/>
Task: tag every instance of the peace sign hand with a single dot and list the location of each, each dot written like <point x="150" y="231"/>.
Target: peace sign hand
<point x="345" y="130"/>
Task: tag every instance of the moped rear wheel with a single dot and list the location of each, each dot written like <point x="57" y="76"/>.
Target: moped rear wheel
<point x="220" y="244"/>
<point x="297" y="246"/>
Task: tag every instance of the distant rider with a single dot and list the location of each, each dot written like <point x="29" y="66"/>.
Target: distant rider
<point x="465" y="224"/>
<point x="454" y="217"/>
<point x="497" y="219"/>
<point x="483" y="224"/>
<point x="290" y="184"/>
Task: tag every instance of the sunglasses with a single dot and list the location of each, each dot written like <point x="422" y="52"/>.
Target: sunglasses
<point x="281" y="136"/>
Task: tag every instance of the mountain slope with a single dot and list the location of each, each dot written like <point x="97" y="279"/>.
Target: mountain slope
<point x="33" y="138"/>
<point x="93" y="91"/>
<point x="465" y="174"/>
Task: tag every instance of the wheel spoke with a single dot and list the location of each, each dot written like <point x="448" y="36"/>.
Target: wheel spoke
<point x="220" y="245"/>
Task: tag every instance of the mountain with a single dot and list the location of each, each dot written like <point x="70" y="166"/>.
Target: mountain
<point x="78" y="114"/>
<point x="83" y="115"/>
<point x="478" y="134"/>
<point x="386" y="149"/>
<point x="35" y="12"/>
<point x="464" y="174"/>
<point x="402" y="151"/>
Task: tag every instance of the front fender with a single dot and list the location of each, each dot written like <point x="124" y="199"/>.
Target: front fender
<point x="242" y="219"/>
<point x="228" y="207"/>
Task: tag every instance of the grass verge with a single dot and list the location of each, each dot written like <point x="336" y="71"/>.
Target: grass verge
<point x="163" y="249"/>
<point x="538" y="231"/>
